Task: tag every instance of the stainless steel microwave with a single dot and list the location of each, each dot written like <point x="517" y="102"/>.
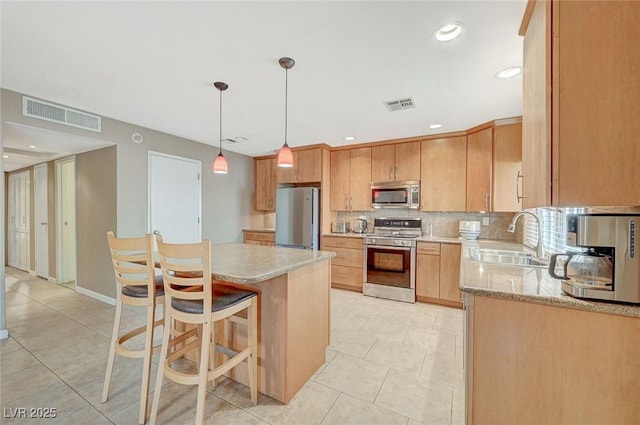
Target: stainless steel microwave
<point x="401" y="194"/>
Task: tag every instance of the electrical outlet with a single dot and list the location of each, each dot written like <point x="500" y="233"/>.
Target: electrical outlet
<point x="485" y="221"/>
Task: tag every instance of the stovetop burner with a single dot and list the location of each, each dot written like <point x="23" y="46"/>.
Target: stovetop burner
<point x="397" y="227"/>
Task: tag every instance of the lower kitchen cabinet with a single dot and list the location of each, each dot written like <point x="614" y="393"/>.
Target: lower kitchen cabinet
<point x="438" y="273"/>
<point x="346" y="267"/>
<point x="259" y="238"/>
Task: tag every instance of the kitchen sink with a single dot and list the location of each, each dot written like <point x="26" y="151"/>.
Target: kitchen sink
<point x="507" y="257"/>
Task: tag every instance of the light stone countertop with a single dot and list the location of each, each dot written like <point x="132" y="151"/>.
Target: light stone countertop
<point x="261" y="229"/>
<point x="438" y="239"/>
<point x="246" y="263"/>
<point x="348" y="235"/>
<point x="527" y="284"/>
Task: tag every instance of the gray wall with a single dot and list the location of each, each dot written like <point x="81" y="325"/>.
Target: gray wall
<point x="227" y="200"/>
<point x="96" y="215"/>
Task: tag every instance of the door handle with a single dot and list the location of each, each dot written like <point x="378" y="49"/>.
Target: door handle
<point x="44" y="223"/>
<point x="518" y="197"/>
<point x="156" y="232"/>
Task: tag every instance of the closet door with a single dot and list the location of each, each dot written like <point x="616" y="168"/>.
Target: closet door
<point x="18" y="217"/>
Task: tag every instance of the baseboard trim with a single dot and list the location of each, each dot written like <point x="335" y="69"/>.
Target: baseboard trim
<point x="4" y="334"/>
<point x="32" y="273"/>
<point x="96" y="295"/>
<point x="52" y="279"/>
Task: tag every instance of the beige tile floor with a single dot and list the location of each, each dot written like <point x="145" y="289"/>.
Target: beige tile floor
<point x="389" y="363"/>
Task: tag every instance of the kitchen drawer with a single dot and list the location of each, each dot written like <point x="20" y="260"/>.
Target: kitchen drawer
<point x="342" y="242"/>
<point x="259" y="236"/>
<point x="351" y="276"/>
<point x="429" y="248"/>
<point x="345" y="256"/>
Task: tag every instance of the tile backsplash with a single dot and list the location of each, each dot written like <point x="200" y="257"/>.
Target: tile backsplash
<point x="443" y="223"/>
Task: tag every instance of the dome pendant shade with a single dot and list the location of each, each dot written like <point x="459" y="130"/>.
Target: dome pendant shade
<point x="285" y="157"/>
<point x="220" y="165"/>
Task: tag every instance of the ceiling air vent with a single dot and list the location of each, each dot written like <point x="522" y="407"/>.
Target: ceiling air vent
<point x="56" y="113"/>
<point x="400" y="104"/>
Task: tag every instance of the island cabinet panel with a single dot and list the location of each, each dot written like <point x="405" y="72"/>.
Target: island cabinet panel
<point x="541" y="364"/>
<point x="259" y="238"/>
<point x="507" y="168"/>
<point x="395" y="162"/>
<point x="347" y="266"/>
<point x="266" y="182"/>
<point x="580" y="125"/>
<point x="443" y="181"/>
<point x="307" y="167"/>
<point x="294" y="330"/>
<point x="351" y="180"/>
<point x="479" y="170"/>
<point x="438" y="273"/>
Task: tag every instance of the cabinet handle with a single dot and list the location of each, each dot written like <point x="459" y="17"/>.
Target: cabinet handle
<point x="390" y="173"/>
<point x="518" y="197"/>
<point x="486" y="201"/>
<point x="396" y="172"/>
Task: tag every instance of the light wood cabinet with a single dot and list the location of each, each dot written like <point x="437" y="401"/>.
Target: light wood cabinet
<point x="265" y="184"/>
<point x="351" y="180"/>
<point x="479" y="171"/>
<point x="507" y="168"/>
<point x="443" y="174"/>
<point x="438" y="273"/>
<point x="581" y="103"/>
<point x="347" y="266"/>
<point x="307" y="167"/>
<point x="395" y="162"/>
<point x="549" y="365"/>
<point x="259" y="238"/>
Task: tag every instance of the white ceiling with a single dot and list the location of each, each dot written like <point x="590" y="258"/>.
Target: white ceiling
<point x="152" y="64"/>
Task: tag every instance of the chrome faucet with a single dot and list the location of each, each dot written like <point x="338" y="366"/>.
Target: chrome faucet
<point x="512" y="228"/>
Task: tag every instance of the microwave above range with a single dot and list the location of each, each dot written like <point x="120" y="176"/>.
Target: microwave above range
<point x="400" y="194"/>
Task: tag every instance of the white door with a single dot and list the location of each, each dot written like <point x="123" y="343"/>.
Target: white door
<point x="18" y="228"/>
<point x="174" y="197"/>
<point x="41" y="219"/>
<point x="66" y="220"/>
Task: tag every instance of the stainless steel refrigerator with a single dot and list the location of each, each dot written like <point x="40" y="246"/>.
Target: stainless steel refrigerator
<point x="297" y="217"/>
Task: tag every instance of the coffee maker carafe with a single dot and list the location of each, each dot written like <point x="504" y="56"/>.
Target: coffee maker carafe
<point x="605" y="265"/>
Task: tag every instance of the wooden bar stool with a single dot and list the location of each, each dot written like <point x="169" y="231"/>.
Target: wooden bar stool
<point x="137" y="285"/>
<point x="192" y="298"/>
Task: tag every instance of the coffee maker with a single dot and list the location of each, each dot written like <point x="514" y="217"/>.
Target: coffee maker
<point x="607" y="267"/>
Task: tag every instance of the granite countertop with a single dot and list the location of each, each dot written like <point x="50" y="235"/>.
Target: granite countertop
<point x="527" y="284"/>
<point x="262" y="229"/>
<point x="440" y="239"/>
<point x="246" y="264"/>
<point x="348" y="235"/>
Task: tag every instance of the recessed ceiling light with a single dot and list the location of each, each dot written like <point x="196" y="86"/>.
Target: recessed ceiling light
<point x="349" y="138"/>
<point x="448" y="31"/>
<point x="510" y="72"/>
<point x="32" y="146"/>
<point x="5" y="156"/>
<point x="435" y="126"/>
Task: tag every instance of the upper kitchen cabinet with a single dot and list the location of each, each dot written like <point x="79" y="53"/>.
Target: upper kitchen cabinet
<point x="507" y="167"/>
<point x="479" y="169"/>
<point x="307" y="167"/>
<point x="395" y="162"/>
<point x="265" y="184"/>
<point x="351" y="179"/>
<point x="581" y="102"/>
<point x="443" y="174"/>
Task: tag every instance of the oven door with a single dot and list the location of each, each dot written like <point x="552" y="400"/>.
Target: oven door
<point x="390" y="266"/>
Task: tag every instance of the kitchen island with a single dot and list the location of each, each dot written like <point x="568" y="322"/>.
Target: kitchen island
<point x="534" y="355"/>
<point x="293" y="307"/>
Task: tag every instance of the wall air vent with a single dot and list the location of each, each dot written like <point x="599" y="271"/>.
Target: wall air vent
<point x="234" y="140"/>
<point x="400" y="104"/>
<point x="55" y="113"/>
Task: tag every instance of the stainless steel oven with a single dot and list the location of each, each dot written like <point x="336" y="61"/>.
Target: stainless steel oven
<point x="390" y="259"/>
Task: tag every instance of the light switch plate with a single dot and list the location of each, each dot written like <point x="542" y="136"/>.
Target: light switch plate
<point x="485" y="221"/>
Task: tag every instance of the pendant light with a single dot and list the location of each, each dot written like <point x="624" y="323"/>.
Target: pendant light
<point x="285" y="156"/>
<point x="220" y="165"/>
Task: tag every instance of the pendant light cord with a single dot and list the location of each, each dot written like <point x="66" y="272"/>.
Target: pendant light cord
<point x="286" y="102"/>
<point x="220" y="123"/>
